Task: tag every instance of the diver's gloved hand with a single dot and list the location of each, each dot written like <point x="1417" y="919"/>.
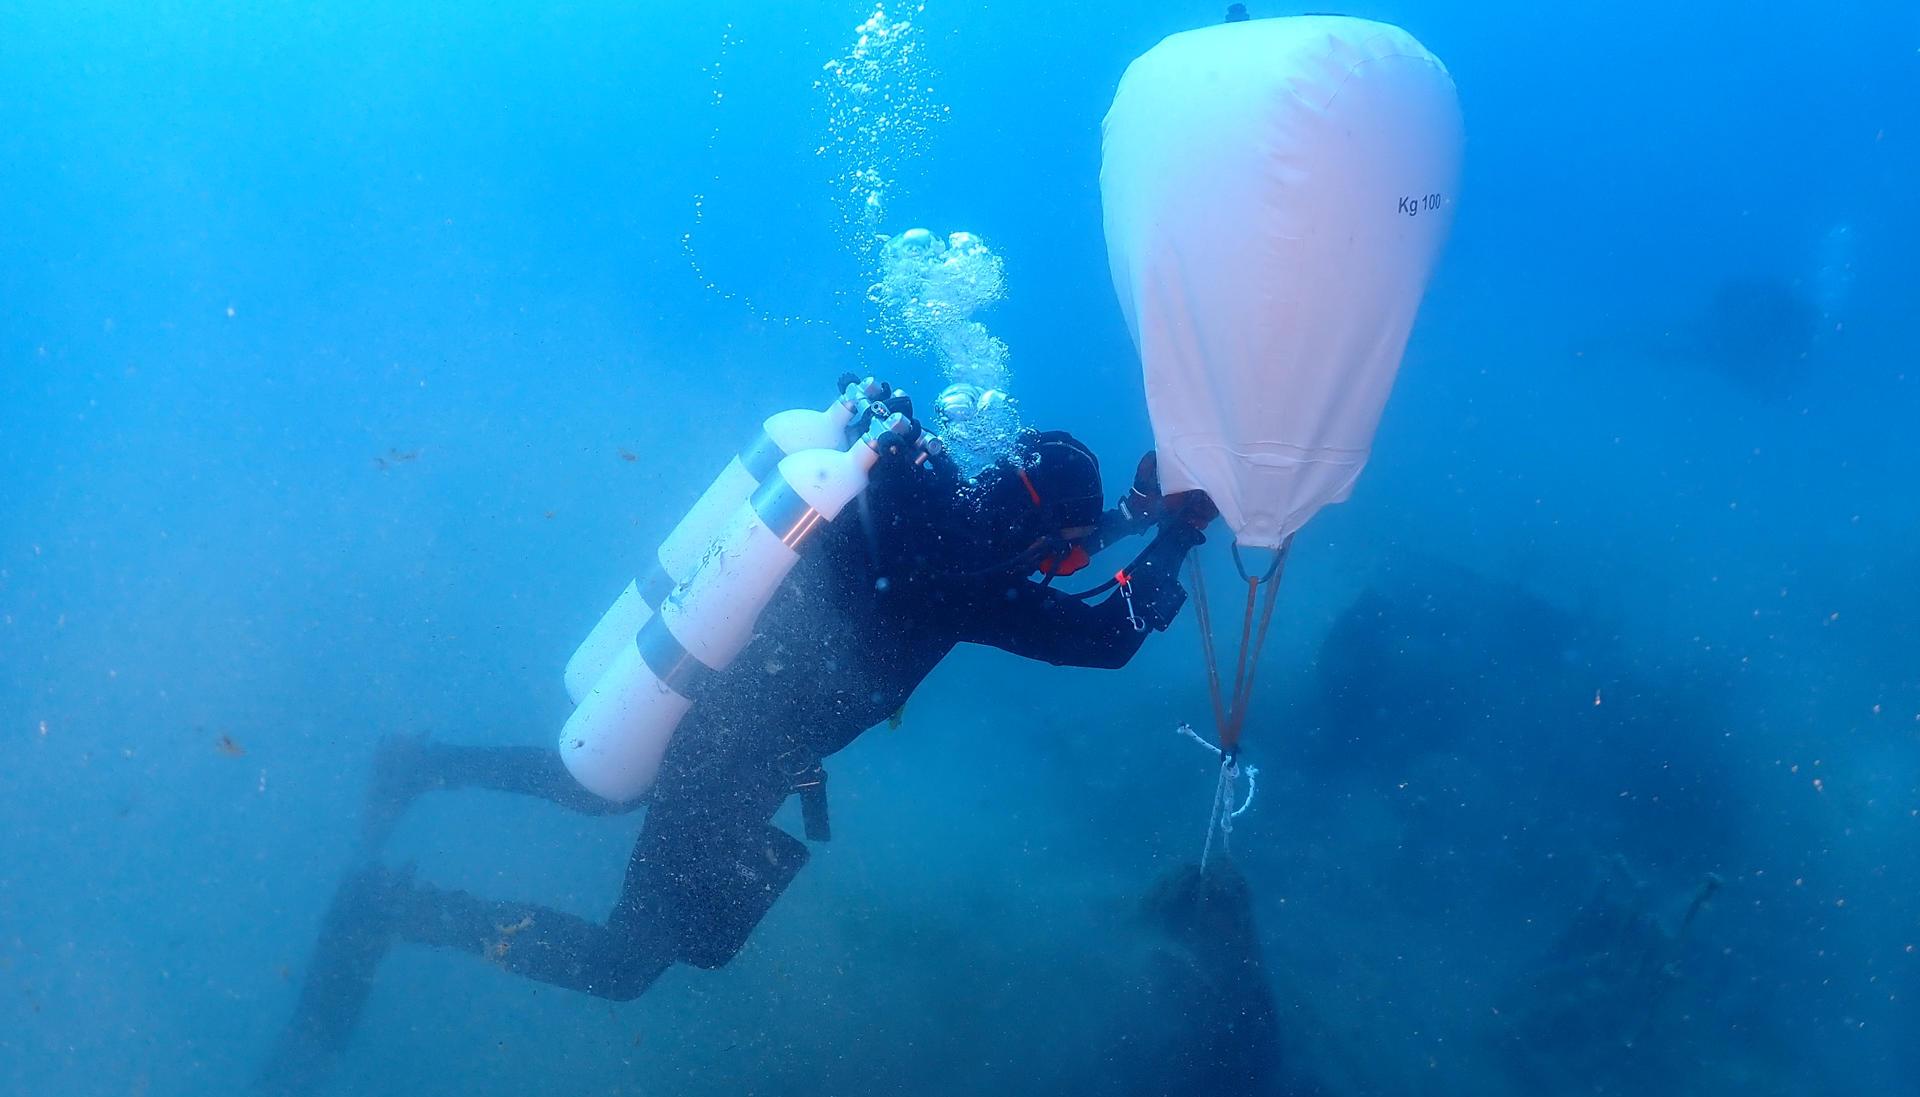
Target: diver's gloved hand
<point x="1193" y="508"/>
<point x="1143" y="505"/>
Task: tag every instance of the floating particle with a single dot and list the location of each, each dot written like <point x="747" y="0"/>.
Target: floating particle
<point x="228" y="747"/>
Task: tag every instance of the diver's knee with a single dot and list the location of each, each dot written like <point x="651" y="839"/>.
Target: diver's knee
<point x="625" y="986"/>
<point x="628" y="978"/>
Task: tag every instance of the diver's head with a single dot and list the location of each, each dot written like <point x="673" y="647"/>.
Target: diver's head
<point x="1040" y="506"/>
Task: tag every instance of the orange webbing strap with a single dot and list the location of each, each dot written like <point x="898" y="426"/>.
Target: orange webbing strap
<point x="1033" y="493"/>
<point x="1204" y="618"/>
<point x="1243" y="693"/>
<point x="1236" y="713"/>
<point x="1230" y="712"/>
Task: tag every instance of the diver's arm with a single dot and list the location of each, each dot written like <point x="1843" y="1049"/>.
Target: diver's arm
<point x="1115" y="525"/>
<point x="1040" y="622"/>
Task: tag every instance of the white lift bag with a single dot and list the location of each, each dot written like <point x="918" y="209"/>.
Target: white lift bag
<point x="1275" y="194"/>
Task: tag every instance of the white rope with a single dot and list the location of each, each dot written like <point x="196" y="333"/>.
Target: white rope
<point x="1187" y="730"/>
<point x="1213" y="817"/>
<point x="1252" y="772"/>
<point x="1222" y="813"/>
<point x="1253" y="781"/>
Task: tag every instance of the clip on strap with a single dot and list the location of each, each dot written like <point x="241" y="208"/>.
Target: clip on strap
<point x="1125" y="583"/>
<point x="811" y="787"/>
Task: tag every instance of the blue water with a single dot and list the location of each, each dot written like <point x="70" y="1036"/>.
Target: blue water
<point x="325" y="335"/>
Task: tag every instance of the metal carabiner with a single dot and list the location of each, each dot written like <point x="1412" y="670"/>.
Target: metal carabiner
<point x="1126" y="593"/>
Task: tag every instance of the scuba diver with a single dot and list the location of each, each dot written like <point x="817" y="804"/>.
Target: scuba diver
<point x="925" y="561"/>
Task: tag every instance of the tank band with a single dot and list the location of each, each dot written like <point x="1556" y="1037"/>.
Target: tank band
<point x="655" y="585"/>
<point x="761" y="457"/>
<point x="791" y="518"/>
<point x="669" y="661"/>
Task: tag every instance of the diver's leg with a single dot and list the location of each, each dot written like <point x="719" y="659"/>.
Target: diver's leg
<point x="618" y="961"/>
<point x="687" y="898"/>
<point x="522" y="771"/>
<point x="404" y="766"/>
<point x="706" y="869"/>
<point x="708" y="864"/>
<point x="375" y="906"/>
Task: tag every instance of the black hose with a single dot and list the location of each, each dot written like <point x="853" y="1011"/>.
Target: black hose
<point x="1095" y="592"/>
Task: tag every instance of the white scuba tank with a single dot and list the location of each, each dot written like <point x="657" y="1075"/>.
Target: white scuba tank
<point x="783" y="433"/>
<point x="616" y="737"/>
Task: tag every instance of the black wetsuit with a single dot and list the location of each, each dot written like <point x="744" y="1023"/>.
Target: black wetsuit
<point x="891" y="588"/>
<point x="874" y="605"/>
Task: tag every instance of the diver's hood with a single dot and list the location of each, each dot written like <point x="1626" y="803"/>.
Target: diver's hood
<point x="1050" y="483"/>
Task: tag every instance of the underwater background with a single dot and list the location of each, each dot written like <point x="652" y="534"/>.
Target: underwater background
<point x="352" y="357"/>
